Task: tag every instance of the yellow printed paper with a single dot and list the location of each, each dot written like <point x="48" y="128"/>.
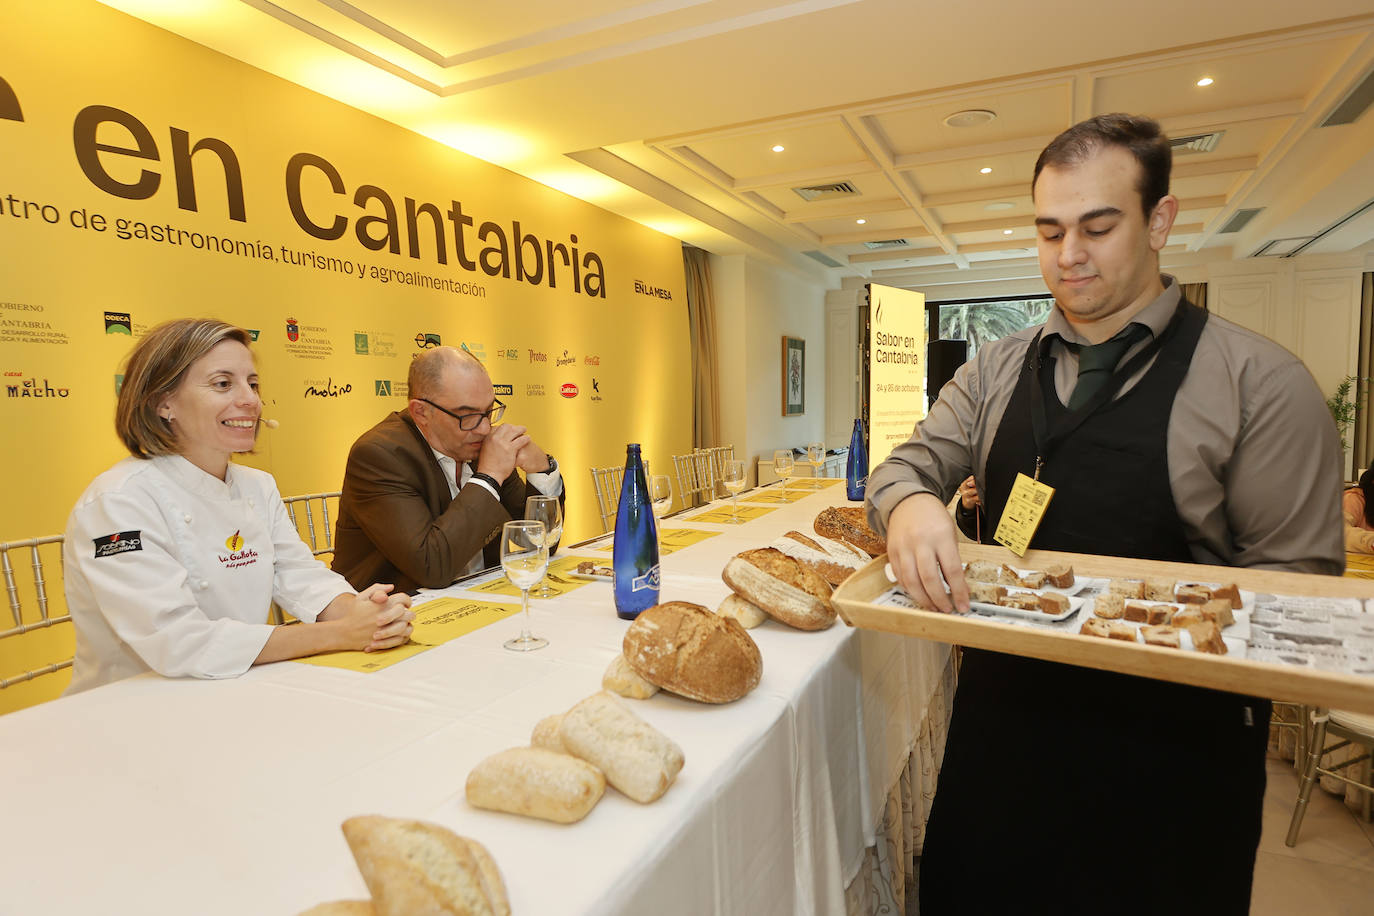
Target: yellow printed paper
<point x="776" y="495"/>
<point x="556" y="578"/>
<point x="671" y="539"/>
<point x="1022" y="514"/>
<point x="814" y="483"/>
<point x="724" y="514"/>
<point x="436" y="622"/>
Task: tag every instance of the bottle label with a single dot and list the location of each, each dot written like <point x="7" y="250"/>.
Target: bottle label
<point x="650" y="580"/>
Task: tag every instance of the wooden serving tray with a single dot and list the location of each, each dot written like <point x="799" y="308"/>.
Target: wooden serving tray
<point x="853" y="600"/>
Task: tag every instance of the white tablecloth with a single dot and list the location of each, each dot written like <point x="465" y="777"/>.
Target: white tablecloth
<point x="179" y="796"/>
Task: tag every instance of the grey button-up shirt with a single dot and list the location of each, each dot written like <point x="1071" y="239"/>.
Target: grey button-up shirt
<point x="1254" y="459"/>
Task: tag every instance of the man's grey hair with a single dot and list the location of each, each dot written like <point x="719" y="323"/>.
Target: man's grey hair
<point x="428" y="370"/>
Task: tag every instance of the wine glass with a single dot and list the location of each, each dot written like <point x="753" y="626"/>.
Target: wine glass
<point x="546" y="509"/>
<point x="660" y="494"/>
<point x="782" y="464"/>
<point x="524" y="557"/>
<point x="732" y="479"/>
<point x="815" y="455"/>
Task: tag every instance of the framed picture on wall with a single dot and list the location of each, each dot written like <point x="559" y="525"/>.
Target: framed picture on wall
<point x="793" y="376"/>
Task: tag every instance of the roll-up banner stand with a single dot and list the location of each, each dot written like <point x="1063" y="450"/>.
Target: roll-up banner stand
<point x="897" y="368"/>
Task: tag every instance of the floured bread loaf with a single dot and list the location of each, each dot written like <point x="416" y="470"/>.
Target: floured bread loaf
<point x="747" y="613"/>
<point x="849" y="524"/>
<point x="622" y="679"/>
<point x="788" y="590"/>
<point x="536" y="782"/>
<point x="417" y="869"/>
<point x="342" y="908"/>
<point x="545" y="734"/>
<point x="834" y="560"/>
<point x="685" y="648"/>
<point x="637" y="758"/>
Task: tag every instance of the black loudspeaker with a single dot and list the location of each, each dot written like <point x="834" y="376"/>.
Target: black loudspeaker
<point x="942" y="358"/>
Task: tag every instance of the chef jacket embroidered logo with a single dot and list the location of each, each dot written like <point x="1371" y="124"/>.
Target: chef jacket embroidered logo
<point x="239" y="555"/>
<point x="119" y="542"/>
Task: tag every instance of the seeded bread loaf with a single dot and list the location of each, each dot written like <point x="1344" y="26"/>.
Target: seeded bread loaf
<point x="536" y="782"/>
<point x="747" y="613"/>
<point x="784" y="587"/>
<point x="637" y="758"/>
<point x="685" y="648"/>
<point x="622" y="679"/>
<point x="834" y="560"/>
<point x="415" y="868"/>
<point x="849" y="524"/>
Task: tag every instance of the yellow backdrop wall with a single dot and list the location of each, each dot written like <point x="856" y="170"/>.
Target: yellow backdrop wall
<point x="145" y="177"/>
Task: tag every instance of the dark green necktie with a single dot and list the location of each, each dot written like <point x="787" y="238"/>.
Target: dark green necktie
<point x="1097" y="362"/>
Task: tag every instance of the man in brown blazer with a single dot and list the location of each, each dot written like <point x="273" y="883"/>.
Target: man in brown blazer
<point x="426" y="490"/>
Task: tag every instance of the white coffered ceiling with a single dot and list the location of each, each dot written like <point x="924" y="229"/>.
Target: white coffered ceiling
<point x="668" y="111"/>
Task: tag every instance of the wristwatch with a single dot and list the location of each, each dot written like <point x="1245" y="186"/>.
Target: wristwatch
<point x="553" y="464"/>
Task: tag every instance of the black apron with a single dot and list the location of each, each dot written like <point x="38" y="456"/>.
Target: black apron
<point x="1071" y="790"/>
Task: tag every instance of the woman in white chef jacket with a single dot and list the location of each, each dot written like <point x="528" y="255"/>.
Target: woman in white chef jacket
<point x="173" y="555"/>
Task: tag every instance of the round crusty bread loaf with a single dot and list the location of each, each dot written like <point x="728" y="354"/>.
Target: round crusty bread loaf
<point x="536" y="782"/>
<point x="686" y="649"/>
<point x="416" y="867"/>
<point x="787" y="589"/>
<point x="850" y="524"/>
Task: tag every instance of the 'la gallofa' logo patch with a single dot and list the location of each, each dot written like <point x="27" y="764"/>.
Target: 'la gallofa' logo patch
<point x="119" y="542"/>
<point x="234" y="542"/>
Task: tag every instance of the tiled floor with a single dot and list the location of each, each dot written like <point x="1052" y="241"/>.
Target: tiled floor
<point x="1330" y="872"/>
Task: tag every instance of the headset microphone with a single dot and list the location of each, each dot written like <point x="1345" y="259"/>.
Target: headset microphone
<point x="270" y="424"/>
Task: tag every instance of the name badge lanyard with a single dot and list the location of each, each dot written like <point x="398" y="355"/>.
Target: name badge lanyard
<point x="1047" y="439"/>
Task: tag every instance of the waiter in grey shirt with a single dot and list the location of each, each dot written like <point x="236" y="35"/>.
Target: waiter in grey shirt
<point x="1168" y="434"/>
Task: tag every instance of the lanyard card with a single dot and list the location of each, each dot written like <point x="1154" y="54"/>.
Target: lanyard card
<point x="1025" y="508"/>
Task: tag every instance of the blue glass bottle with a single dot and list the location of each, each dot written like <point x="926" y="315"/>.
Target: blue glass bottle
<point x="635" y="554"/>
<point x="857" y="470"/>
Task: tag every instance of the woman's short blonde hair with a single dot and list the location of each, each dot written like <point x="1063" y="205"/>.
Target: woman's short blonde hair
<point x="155" y="370"/>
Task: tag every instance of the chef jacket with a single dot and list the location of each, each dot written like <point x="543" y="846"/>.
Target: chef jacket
<point x="171" y="569"/>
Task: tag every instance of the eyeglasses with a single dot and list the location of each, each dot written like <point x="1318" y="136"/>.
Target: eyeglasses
<point x="469" y="421"/>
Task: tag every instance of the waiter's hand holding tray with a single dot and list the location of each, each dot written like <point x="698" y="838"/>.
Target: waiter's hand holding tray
<point x="1311" y="639"/>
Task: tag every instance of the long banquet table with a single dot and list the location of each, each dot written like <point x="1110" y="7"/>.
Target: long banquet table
<point x="155" y="796"/>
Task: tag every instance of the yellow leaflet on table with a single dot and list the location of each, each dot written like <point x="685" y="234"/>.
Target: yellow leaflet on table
<point x="1359" y="565"/>
<point x="556" y="578"/>
<point x="672" y="539"/>
<point x="813" y="483"/>
<point x="723" y="514"/>
<point x="436" y="622"/>
<point x="776" y="496"/>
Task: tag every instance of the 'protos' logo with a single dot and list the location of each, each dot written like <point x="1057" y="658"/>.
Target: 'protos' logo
<point x="569" y="390"/>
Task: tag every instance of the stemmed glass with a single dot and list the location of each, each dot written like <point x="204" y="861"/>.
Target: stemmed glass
<point x="546" y="509"/>
<point x="660" y="499"/>
<point x="732" y="479"/>
<point x="524" y="557"/>
<point x="815" y="456"/>
<point x="782" y="464"/>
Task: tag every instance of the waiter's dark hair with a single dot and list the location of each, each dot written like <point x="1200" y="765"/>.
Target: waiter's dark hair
<point x="1140" y="136"/>
<point x="155" y="370"/>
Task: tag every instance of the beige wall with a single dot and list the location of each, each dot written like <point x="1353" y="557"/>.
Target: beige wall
<point x="758" y="303"/>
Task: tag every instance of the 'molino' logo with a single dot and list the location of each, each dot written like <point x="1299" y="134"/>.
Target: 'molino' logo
<point x="569" y="390"/>
<point x="119" y="542"/>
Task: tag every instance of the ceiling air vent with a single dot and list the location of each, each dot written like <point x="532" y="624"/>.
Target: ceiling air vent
<point x="886" y="243"/>
<point x="1197" y="143"/>
<point x="827" y="191"/>
<point x="1239" y="220"/>
<point x="822" y="258"/>
<point x="1353" y="105"/>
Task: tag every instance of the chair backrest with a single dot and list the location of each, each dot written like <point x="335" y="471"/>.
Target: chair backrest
<point x="696" y="477"/>
<point x="719" y="455"/>
<point x="317" y="530"/>
<point x="606" y="484"/>
<point x="48" y="604"/>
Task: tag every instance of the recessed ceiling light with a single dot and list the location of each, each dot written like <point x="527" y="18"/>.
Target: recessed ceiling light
<point x="860" y="221"/>
<point x="971" y="117"/>
<point x="779" y="148"/>
<point x="999" y="205"/>
<point x="986" y="170"/>
<point x="1205" y="81"/>
<point x="1006" y="232"/>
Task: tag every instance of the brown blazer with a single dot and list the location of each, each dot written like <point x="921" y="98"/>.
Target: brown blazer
<point x="397" y="522"/>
